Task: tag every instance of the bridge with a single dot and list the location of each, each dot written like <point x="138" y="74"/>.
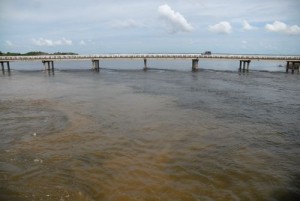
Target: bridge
<point x="293" y="62"/>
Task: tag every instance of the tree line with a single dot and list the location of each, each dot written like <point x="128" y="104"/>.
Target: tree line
<point x="35" y="53"/>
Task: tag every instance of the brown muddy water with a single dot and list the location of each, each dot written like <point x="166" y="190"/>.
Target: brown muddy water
<point x="156" y="135"/>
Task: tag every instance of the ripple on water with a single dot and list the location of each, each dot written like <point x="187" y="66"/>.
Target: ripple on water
<point x="20" y="119"/>
<point x="120" y="145"/>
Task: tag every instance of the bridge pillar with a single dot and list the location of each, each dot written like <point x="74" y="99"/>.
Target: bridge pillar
<point x="3" y="67"/>
<point x="287" y="66"/>
<point x="48" y="65"/>
<point x="145" y="64"/>
<point x="8" y="67"/>
<point x="96" y="64"/>
<point x="244" y="65"/>
<point x="195" y="64"/>
<point x="293" y="65"/>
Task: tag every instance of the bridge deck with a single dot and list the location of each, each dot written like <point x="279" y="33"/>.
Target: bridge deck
<point x="149" y="56"/>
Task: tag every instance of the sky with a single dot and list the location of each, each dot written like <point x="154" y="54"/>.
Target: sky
<point x="152" y="26"/>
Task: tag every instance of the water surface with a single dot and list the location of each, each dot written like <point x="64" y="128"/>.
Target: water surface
<point x="155" y="135"/>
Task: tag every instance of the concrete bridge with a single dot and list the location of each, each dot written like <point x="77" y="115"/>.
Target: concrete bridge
<point x="293" y="62"/>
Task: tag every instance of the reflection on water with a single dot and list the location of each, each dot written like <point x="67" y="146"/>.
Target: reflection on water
<point x="6" y="72"/>
<point x="159" y="135"/>
<point x="50" y="72"/>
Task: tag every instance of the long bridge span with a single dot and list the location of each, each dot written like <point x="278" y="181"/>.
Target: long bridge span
<point x="293" y="62"/>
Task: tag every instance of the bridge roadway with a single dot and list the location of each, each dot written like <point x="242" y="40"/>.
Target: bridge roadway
<point x="150" y="56"/>
<point x="48" y="60"/>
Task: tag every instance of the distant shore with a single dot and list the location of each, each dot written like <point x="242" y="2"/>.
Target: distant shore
<point x="35" y="53"/>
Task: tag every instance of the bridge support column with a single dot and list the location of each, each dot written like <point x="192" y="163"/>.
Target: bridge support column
<point x="3" y="66"/>
<point x="195" y="65"/>
<point x="145" y="64"/>
<point x="48" y="65"/>
<point x="96" y="64"/>
<point x="287" y="66"/>
<point x="293" y="65"/>
<point x="244" y="65"/>
<point x="8" y="67"/>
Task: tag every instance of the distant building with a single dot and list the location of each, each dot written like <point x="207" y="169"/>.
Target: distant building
<point x="207" y="53"/>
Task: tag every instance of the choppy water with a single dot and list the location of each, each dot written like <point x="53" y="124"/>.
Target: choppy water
<point x="155" y="135"/>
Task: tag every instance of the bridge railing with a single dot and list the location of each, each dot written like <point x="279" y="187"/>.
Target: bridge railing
<point x="149" y="56"/>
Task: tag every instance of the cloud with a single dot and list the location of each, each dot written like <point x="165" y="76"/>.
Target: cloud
<point x="174" y="20"/>
<point x="51" y="43"/>
<point x="222" y="28"/>
<point x="9" y="43"/>
<point x="82" y="42"/>
<point x="244" y="44"/>
<point x="247" y="26"/>
<point x="281" y="27"/>
<point x="129" y="23"/>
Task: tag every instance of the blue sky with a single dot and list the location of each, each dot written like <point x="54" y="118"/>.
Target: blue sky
<point x="140" y="26"/>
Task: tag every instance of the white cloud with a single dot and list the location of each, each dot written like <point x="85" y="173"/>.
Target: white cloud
<point x="174" y="20"/>
<point x="64" y="41"/>
<point x="82" y="42"/>
<point x="129" y="23"/>
<point x="9" y="43"/>
<point x="244" y="44"/>
<point x="276" y="27"/>
<point x="48" y="42"/>
<point x="42" y="42"/>
<point x="294" y="30"/>
<point x="247" y="26"/>
<point x="222" y="27"/>
<point x="281" y="27"/>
